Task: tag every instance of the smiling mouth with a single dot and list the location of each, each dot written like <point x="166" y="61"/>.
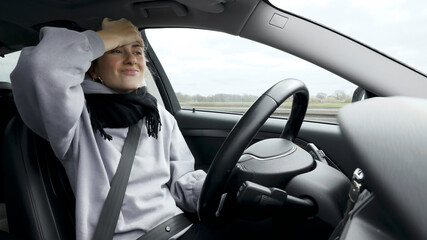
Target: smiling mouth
<point x="130" y="72"/>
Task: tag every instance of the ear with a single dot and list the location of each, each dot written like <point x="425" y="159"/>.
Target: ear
<point x="91" y="71"/>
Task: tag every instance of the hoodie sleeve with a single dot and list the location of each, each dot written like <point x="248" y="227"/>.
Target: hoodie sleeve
<point x="186" y="183"/>
<point x="46" y="83"/>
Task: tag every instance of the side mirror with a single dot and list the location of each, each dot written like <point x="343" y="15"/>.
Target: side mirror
<point x="361" y="94"/>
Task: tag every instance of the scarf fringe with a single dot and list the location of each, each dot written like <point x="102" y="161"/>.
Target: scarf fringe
<point x="117" y="111"/>
<point x="97" y="127"/>
<point x="104" y="134"/>
<point x="153" y="126"/>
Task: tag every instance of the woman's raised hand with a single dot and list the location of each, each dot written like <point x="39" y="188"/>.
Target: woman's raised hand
<point x="117" y="33"/>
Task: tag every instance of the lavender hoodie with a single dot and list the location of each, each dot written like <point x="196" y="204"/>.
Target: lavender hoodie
<point x="49" y="85"/>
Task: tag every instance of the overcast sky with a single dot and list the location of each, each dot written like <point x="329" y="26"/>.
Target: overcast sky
<point x="202" y="62"/>
<point x="206" y="63"/>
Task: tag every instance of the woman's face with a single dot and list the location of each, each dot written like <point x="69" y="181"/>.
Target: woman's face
<point x="121" y="69"/>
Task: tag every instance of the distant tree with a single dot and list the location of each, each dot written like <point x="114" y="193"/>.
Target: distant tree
<point x="321" y="96"/>
<point x="183" y="97"/>
<point x="331" y="99"/>
<point x="218" y="97"/>
<point x="198" y="98"/>
<point x="340" y="95"/>
<point x="249" y="98"/>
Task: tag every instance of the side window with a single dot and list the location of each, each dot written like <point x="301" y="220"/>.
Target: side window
<point x="152" y="88"/>
<point x="213" y="71"/>
<point x="8" y="63"/>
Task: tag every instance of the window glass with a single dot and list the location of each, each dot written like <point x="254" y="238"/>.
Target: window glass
<point x="152" y="88"/>
<point x="8" y="63"/>
<point x="220" y="72"/>
<point x="394" y="27"/>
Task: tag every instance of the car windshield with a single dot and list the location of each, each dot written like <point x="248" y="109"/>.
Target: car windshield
<point x="393" y="27"/>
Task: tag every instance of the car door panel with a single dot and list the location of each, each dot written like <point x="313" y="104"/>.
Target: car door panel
<point x="206" y="131"/>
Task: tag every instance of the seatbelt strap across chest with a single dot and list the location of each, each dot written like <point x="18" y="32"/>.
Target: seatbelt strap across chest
<point x="113" y="203"/>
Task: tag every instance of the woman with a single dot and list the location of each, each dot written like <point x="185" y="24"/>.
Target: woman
<point x="81" y="92"/>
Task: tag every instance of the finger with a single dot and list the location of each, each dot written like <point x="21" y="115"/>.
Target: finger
<point x="124" y="21"/>
<point x="105" y="22"/>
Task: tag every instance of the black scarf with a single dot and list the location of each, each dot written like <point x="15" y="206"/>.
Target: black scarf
<point x="123" y="110"/>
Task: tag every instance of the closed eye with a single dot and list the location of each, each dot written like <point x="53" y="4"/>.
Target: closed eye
<point x="115" y="51"/>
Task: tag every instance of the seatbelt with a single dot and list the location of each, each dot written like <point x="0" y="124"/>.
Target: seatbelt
<point x="113" y="203"/>
<point x="168" y="228"/>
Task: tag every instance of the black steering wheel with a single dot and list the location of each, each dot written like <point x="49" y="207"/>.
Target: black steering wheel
<point x="242" y="134"/>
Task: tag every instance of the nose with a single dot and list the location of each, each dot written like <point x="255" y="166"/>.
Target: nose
<point x="129" y="58"/>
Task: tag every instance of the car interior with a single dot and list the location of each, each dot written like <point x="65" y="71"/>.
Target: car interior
<point x="296" y="172"/>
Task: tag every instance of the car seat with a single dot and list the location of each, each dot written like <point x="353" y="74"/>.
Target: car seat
<point x="39" y="201"/>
